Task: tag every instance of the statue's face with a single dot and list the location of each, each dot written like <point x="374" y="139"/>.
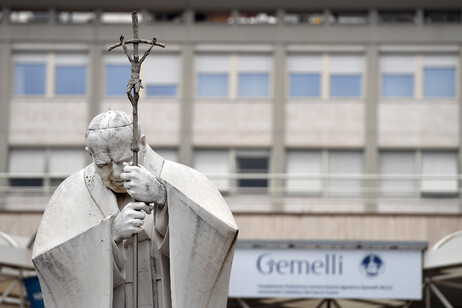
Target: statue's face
<point x="110" y="149"/>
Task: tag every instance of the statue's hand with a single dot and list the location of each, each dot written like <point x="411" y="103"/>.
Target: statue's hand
<point x="142" y="185"/>
<point x="129" y="220"/>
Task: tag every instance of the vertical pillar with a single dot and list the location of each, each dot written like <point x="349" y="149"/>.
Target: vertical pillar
<point x="185" y="146"/>
<point x="95" y="81"/>
<point x="325" y="89"/>
<point x="459" y="99"/>
<point x="419" y="17"/>
<point x="371" y="127"/>
<point x="188" y="17"/>
<point x="280" y="14"/>
<point x="418" y="80"/>
<point x="52" y="16"/>
<point x="373" y="17"/>
<point x="278" y="149"/>
<point x="235" y="16"/>
<point x="327" y="17"/>
<point x="5" y="97"/>
<point x="96" y="66"/>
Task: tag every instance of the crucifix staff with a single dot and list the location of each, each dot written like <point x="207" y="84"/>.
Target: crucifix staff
<point x="133" y="88"/>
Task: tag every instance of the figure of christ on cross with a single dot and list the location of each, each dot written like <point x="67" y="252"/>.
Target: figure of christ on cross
<point x="135" y="81"/>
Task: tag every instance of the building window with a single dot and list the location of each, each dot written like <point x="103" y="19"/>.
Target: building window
<point x="76" y="17"/>
<point x="118" y="18"/>
<point x="71" y="74"/>
<point x="29" y="78"/>
<point x="315" y="18"/>
<point x="213" y="71"/>
<point x="349" y="17"/>
<point x="346" y="75"/>
<point x="63" y="162"/>
<point x="253" y="85"/>
<point x="233" y="75"/>
<point x="410" y="173"/>
<point x="345" y="86"/>
<point x="253" y="75"/>
<point x="306" y="171"/>
<point x="35" y="163"/>
<point x="26" y="161"/>
<point x="161" y="75"/>
<point x="71" y="80"/>
<point x="304" y="163"/>
<point x="397" y="17"/>
<point x="212" y="85"/>
<point x="397" y="85"/>
<point x="417" y="76"/>
<point x="305" y="85"/>
<point x="398" y="75"/>
<point x="254" y="18"/>
<point x="442" y="16"/>
<point x="442" y="169"/>
<point x="25" y="17"/>
<point x="117" y="77"/>
<point x="168" y="154"/>
<point x="248" y="162"/>
<point x="305" y="75"/>
<point x="216" y="165"/>
<point x="439" y="82"/>
<point x="343" y="166"/>
<point x="172" y="17"/>
<point x="212" y="17"/>
<point x="397" y="163"/>
<point x="161" y="90"/>
<point x="439" y="75"/>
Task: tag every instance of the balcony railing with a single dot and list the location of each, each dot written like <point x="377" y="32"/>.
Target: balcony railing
<point x="29" y="191"/>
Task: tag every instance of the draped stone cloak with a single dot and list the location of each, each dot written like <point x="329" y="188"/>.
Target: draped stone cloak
<point x="185" y="249"/>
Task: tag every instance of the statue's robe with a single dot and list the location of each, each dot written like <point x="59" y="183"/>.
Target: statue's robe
<point x="185" y="249"/>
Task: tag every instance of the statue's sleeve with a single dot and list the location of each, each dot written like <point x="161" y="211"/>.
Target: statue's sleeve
<point x="201" y="238"/>
<point x="119" y="260"/>
<point x="79" y="271"/>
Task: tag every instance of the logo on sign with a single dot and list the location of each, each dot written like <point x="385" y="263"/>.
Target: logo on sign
<point x="372" y="265"/>
<point x="332" y="264"/>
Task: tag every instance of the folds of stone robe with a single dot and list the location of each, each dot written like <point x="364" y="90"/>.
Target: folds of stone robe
<point x="80" y="266"/>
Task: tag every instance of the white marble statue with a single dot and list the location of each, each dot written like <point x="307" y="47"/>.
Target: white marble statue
<point x="83" y="250"/>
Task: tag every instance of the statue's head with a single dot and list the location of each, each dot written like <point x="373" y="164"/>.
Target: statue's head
<point x="109" y="138"/>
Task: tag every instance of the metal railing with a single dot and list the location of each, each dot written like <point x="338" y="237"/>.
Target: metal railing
<point x="363" y="187"/>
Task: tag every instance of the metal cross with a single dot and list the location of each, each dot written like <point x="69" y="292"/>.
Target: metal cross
<point x="135" y="82"/>
<point x="134" y="86"/>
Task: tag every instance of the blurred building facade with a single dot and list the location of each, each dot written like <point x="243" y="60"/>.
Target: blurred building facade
<point x="327" y="120"/>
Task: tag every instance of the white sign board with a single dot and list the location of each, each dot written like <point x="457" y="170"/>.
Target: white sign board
<point x="299" y="273"/>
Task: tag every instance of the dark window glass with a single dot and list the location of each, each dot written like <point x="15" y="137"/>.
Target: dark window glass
<point x="253" y="165"/>
<point x="349" y="18"/>
<point x="442" y="16"/>
<point x="212" y="17"/>
<point x="18" y="182"/>
<point x="399" y="17"/>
